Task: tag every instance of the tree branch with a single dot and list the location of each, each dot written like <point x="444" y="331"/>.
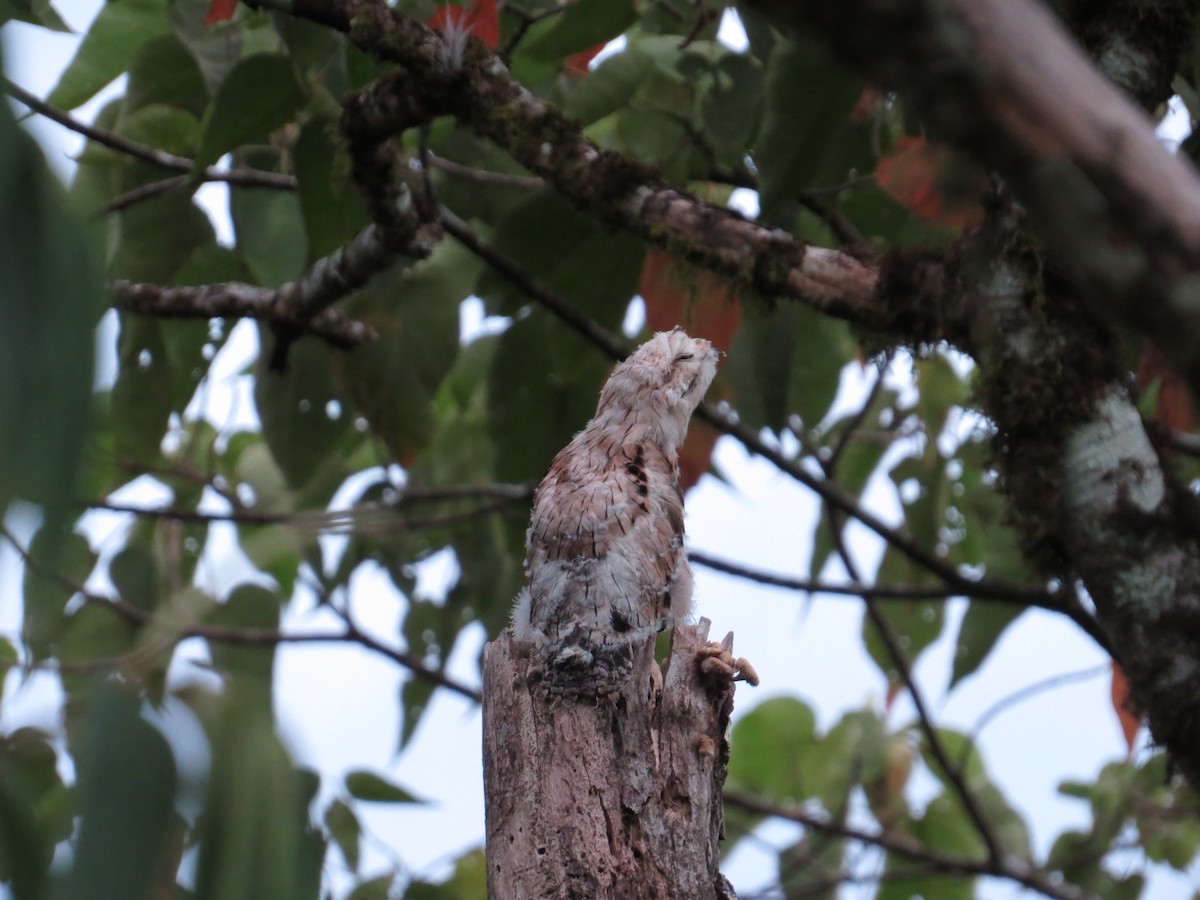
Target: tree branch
<point x="135" y="615"/>
<point x="1010" y="869"/>
<point x="1002" y="79"/>
<point x="235" y="300"/>
<point x="481" y="93"/>
<point x="147" y="154"/>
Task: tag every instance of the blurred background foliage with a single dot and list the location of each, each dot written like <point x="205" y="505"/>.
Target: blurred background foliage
<point x="426" y="441"/>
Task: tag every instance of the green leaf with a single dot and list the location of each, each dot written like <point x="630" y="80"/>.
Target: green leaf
<point x="808" y="100"/>
<point x="121" y="27"/>
<point x="731" y="107"/>
<point x="415" y="311"/>
<point x="270" y="229"/>
<point x="333" y="207"/>
<point x="93" y="633"/>
<point x="302" y="410"/>
<point x="771" y="748"/>
<point x="981" y="628"/>
<point x="787" y="361"/>
<point x="593" y="267"/>
<point x="607" y="88"/>
<point x="344" y="828"/>
<point x="364" y="785"/>
<point x="164" y="72"/>
<point x="468" y="881"/>
<point x="32" y="818"/>
<point x="9" y="655"/>
<point x="585" y="24"/>
<point x="70" y="559"/>
<point x="259" y="95"/>
<point x="255" y="837"/>
<point x="126" y="799"/>
<point x="542" y="389"/>
<point x="248" y="606"/>
<point x="35" y="12"/>
<point x="853" y="752"/>
<point x="379" y="888"/>
<point x="48" y="312"/>
<point x="141" y="396"/>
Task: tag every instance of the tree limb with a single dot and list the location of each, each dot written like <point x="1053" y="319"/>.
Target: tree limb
<point x="1002" y="79"/>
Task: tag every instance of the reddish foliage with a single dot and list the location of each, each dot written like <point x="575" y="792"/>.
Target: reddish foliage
<point x="865" y="104"/>
<point x="1174" y="408"/>
<point x="704" y="303"/>
<point x="220" y="11"/>
<point x="933" y="181"/>
<point x="480" y="18"/>
<point x="696" y="453"/>
<point x="1131" y="723"/>
<point x="576" y="65"/>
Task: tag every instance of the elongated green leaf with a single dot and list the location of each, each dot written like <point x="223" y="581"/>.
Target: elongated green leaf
<point x="346" y="832"/>
<point x="46" y="595"/>
<point x="32" y="819"/>
<point x="121" y="27"/>
<point x="808" y="100"/>
<point x="164" y="72"/>
<point x="141" y="396"/>
<point x="35" y="12"/>
<point x="254" y="833"/>
<point x="333" y="207"/>
<point x="415" y="311"/>
<point x="584" y="25"/>
<point x="787" y="362"/>
<point x="258" y="96"/>
<point x="302" y="410"/>
<point x="127" y="801"/>
<point x="48" y="309"/>
<point x="363" y="785"/>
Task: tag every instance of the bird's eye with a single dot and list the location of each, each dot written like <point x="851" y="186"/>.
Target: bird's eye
<point x="682" y="356"/>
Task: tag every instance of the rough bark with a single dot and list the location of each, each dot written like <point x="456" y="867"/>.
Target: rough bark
<point x="620" y="798"/>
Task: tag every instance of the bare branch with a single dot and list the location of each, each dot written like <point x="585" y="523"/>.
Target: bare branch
<point x="147" y="154"/>
<point x="370" y="519"/>
<point x="233" y="300"/>
<point x="1008" y="868"/>
<point x="242" y="636"/>
<point x="481" y="93"/>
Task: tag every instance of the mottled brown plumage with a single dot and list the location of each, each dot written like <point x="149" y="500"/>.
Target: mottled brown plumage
<point x="605" y="559"/>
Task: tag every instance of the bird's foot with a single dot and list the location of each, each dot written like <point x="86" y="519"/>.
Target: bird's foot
<point x="718" y="664"/>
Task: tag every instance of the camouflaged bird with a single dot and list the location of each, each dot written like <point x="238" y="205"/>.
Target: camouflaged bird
<point x="605" y="557"/>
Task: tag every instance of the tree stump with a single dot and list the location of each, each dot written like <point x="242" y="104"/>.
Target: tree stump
<point x="617" y="797"/>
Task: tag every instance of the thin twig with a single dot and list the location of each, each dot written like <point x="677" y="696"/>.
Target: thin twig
<point x="899" y="660"/>
<point x="486" y="176"/>
<point x="242" y="636"/>
<point x="1010" y="869"/>
<point x="148" y="154"/>
<point x="375" y="519"/>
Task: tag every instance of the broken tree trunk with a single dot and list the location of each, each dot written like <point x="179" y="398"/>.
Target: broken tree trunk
<point x="616" y="798"/>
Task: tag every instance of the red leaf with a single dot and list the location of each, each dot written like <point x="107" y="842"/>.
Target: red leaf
<point x="576" y="65"/>
<point x="676" y="293"/>
<point x="1174" y="408"/>
<point x="220" y="11"/>
<point x="933" y="181"/>
<point x="696" y="453"/>
<point x="1130" y="721"/>
<point x="480" y="19"/>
